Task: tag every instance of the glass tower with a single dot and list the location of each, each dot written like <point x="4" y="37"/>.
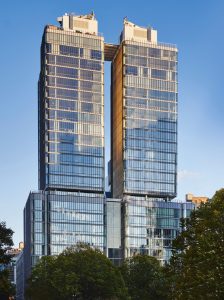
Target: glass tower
<point x="69" y="206"/>
<point x="71" y="106"/>
<point x="144" y="115"/>
<point x="71" y="131"/>
<point x="144" y="133"/>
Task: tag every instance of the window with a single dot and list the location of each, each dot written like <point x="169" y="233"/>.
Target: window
<point x="162" y="95"/>
<point x="153" y="52"/>
<point x="48" y="48"/>
<point x="67" y="83"/>
<point x="68" y="50"/>
<point x="66" y="72"/>
<point x="62" y="93"/>
<point x="174" y="77"/>
<point x="88" y="107"/>
<point x="67" y="61"/>
<point x="89" y="64"/>
<point x="136" y="92"/>
<point x="130" y="70"/>
<point x="145" y="72"/>
<point x="159" y="74"/>
<point x="96" y="54"/>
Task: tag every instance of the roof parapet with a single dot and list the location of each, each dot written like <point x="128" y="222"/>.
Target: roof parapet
<point x="82" y="23"/>
<point x="139" y="34"/>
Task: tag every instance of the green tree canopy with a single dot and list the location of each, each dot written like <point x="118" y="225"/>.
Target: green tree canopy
<point x="144" y="278"/>
<point x="80" y="272"/>
<point x="196" y="269"/>
<point x="5" y="242"/>
<point x="6" y="288"/>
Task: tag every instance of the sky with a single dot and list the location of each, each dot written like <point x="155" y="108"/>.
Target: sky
<point x="197" y="29"/>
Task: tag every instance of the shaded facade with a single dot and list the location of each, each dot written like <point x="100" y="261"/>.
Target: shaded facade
<point x="113" y="230"/>
<point x="20" y="277"/>
<point x="151" y="225"/>
<point x="55" y="220"/>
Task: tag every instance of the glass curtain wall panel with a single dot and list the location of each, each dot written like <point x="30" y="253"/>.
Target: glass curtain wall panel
<point x="55" y="220"/>
<point x="113" y="230"/>
<point x="151" y="226"/>
<point x="144" y="120"/>
<point x="71" y="111"/>
<point x="73" y="218"/>
<point x="150" y="119"/>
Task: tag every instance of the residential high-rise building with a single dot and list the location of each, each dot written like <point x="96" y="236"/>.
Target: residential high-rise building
<point x="144" y="115"/>
<point x="71" y="130"/>
<point x="71" y="205"/>
<point x="71" y="106"/>
<point x="144" y="133"/>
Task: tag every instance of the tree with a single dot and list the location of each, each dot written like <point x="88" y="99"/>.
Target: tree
<point x="6" y="288"/>
<point x="196" y="269"/>
<point x="80" y="272"/>
<point x="41" y="285"/>
<point x="144" y="278"/>
<point x="5" y="242"/>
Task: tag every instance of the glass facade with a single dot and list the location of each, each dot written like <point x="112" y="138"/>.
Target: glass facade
<point x="71" y="111"/>
<point x="69" y="206"/>
<point x="150" y="119"/>
<point x="144" y="141"/>
<point x="113" y="230"/>
<point x="71" y="140"/>
<point x="61" y="219"/>
<point x="75" y="217"/>
<point x="20" y="277"/>
<point x="151" y="225"/>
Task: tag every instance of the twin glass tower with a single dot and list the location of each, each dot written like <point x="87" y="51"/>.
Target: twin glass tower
<point x="71" y="206"/>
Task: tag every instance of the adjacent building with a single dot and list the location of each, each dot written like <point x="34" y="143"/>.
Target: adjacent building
<point x="20" y="277"/>
<point x="197" y="200"/>
<point x="11" y="267"/>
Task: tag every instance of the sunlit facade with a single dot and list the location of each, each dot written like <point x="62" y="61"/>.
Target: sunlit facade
<point x="71" y="131"/>
<point x="71" y="106"/>
<point x="69" y="206"/>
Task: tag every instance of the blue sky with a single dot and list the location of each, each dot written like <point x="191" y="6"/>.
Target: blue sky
<point x="195" y="26"/>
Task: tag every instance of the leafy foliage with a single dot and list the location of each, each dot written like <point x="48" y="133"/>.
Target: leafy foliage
<point x="144" y="278"/>
<point x="5" y="242"/>
<point x="6" y="288"/>
<point x="196" y="269"/>
<point x="80" y="272"/>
